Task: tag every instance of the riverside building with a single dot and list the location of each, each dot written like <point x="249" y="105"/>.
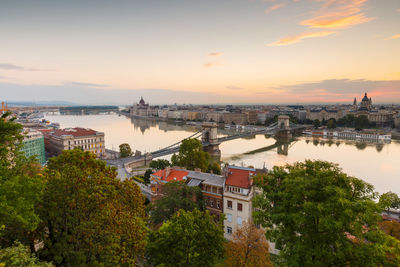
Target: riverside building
<point x="57" y="140"/>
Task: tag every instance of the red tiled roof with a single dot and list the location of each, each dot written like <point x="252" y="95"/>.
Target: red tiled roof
<point x="76" y="132"/>
<point x="239" y="177"/>
<point x="174" y="175"/>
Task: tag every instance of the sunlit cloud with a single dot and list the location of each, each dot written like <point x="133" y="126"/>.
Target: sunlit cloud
<point x="396" y="36"/>
<point x="274" y="7"/>
<point x="336" y="23"/>
<point x="297" y="38"/>
<point x="215" y="54"/>
<point x="332" y="15"/>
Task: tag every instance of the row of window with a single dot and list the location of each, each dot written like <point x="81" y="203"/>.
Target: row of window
<point x="229" y="218"/>
<point x="85" y="141"/>
<point x="234" y="189"/>
<point x="212" y="189"/>
<point x="210" y="202"/>
<point x="239" y="205"/>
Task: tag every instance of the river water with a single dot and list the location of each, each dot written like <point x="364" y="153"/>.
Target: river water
<point x="378" y="164"/>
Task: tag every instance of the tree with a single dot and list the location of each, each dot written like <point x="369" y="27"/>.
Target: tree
<point x="389" y="200"/>
<point x="247" y="248"/>
<point x="191" y="155"/>
<point x="146" y="176"/>
<point x="331" y="124"/>
<point x="125" y="150"/>
<point x="159" y="164"/>
<point x="319" y="216"/>
<point x="391" y="228"/>
<point x="176" y="196"/>
<point x="361" y="122"/>
<point x="214" y="168"/>
<point x="189" y="238"/>
<point x="316" y="123"/>
<point x="21" y="185"/>
<point x="20" y="255"/>
<point x="90" y="217"/>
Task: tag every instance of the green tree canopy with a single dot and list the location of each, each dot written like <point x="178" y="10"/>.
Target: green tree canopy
<point x="159" y="164"/>
<point x="90" y="217"/>
<point x="189" y="238"/>
<point x="125" y="150"/>
<point x="191" y="155"/>
<point x="19" y="255"/>
<point x="176" y="196"/>
<point x="389" y="200"/>
<point x="319" y="216"/>
<point x="21" y="185"/>
<point x="316" y="123"/>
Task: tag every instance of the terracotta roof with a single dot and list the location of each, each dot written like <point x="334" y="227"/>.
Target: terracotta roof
<point x="76" y="132"/>
<point x="239" y="177"/>
<point x="174" y="175"/>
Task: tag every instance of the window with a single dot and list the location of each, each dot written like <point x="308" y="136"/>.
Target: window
<point x="218" y="204"/>
<point x="229" y="217"/>
<point x="229" y="230"/>
<point x="240" y="206"/>
<point x="212" y="202"/>
<point x="229" y="204"/>
<point x="239" y="220"/>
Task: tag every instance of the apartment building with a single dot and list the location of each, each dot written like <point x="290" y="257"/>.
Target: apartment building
<point x="57" y="140"/>
<point x="238" y="194"/>
<point x="33" y="145"/>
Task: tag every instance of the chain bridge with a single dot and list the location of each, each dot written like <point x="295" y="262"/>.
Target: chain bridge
<point x="210" y="141"/>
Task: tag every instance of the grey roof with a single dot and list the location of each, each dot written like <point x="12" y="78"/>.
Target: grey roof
<point x="194" y="182"/>
<point x="207" y="178"/>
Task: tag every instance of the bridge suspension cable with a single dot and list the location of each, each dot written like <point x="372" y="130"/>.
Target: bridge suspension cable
<point x="195" y="135"/>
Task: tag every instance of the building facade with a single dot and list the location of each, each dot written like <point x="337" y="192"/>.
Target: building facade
<point x="238" y="194"/>
<point x="33" y="145"/>
<point x="141" y="109"/>
<point x="57" y="140"/>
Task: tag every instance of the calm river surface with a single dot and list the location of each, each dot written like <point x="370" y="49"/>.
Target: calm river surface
<point x="378" y="164"/>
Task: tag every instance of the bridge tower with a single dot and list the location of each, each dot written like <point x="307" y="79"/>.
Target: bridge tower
<point x="209" y="139"/>
<point x="283" y="127"/>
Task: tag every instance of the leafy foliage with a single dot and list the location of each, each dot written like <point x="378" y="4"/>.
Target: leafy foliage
<point x="176" y="196"/>
<point x="389" y="200"/>
<point x="20" y="255"/>
<point x="319" y="216"/>
<point x="90" y="217"/>
<point x="191" y="155"/>
<point x="248" y="247"/>
<point x="21" y="185"/>
<point x="391" y="228"/>
<point x="187" y="239"/>
<point x="159" y="164"/>
<point x="146" y="176"/>
<point x="125" y="150"/>
<point x="214" y="167"/>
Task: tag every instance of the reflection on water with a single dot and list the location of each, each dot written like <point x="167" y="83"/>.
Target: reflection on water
<point x="376" y="163"/>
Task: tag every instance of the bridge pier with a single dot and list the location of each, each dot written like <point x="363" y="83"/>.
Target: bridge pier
<point x="210" y="141"/>
<point x="284" y="127"/>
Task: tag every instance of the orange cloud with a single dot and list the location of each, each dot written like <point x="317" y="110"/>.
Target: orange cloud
<point x="297" y="38"/>
<point x="274" y="7"/>
<point x="215" y="54"/>
<point x="333" y="15"/>
<point x="335" y="23"/>
<point x="396" y="36"/>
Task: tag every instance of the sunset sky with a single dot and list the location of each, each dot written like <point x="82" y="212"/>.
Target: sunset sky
<point x="200" y="51"/>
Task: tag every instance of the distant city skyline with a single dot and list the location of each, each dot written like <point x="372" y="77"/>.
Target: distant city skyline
<point x="200" y="52"/>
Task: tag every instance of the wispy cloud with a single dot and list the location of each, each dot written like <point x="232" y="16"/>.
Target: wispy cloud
<point x="83" y="84"/>
<point x="396" y="36"/>
<point x="7" y="66"/>
<point x="297" y="38"/>
<point x="332" y="15"/>
<point x="215" y="54"/>
<point x="232" y="87"/>
<point x="274" y="7"/>
<point x="214" y="59"/>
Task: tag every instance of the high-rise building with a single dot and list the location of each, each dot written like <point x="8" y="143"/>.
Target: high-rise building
<point x="33" y="145"/>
